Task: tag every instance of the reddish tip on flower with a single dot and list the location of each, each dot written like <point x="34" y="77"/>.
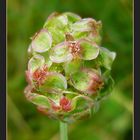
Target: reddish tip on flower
<point x="39" y="75"/>
<point x="65" y="104"/>
<point x="95" y="83"/>
<point x="56" y="107"/>
<point x="42" y="110"/>
<point x="28" y="77"/>
<point x="74" y="49"/>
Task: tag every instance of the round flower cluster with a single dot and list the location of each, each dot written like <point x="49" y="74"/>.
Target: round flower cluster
<point x="68" y="71"/>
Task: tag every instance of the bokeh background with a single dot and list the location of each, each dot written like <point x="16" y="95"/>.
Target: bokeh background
<point x="114" y="119"/>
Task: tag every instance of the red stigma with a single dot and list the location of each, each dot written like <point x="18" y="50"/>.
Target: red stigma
<point x="74" y="49"/>
<point x="95" y="83"/>
<point x="39" y="75"/>
<point x="65" y="104"/>
<point x="56" y="107"/>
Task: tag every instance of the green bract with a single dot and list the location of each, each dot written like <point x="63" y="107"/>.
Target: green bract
<point x="68" y="71"/>
<point x="42" y="41"/>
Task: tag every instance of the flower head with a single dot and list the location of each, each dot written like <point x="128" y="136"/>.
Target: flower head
<point x="68" y="71"/>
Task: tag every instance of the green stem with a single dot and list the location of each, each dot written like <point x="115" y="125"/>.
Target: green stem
<point x="63" y="131"/>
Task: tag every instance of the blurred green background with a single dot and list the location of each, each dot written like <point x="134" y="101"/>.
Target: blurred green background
<point x="113" y="121"/>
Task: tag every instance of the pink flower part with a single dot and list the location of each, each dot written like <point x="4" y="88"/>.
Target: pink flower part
<point x="28" y="77"/>
<point x="95" y="83"/>
<point x="40" y="75"/>
<point x="65" y="104"/>
<point x="74" y="48"/>
<point x="54" y="106"/>
<point x="42" y="110"/>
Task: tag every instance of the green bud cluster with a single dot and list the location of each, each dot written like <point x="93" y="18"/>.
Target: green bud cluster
<point x="68" y="72"/>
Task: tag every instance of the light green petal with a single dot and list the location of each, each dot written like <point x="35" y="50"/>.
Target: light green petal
<point x="42" y="41"/>
<point x="106" y="57"/>
<point x="82" y="106"/>
<point x="80" y="80"/>
<point x="107" y="88"/>
<point x="79" y="35"/>
<point x="83" y="25"/>
<point x="80" y="103"/>
<point x="54" y="82"/>
<point x="48" y="62"/>
<point x="56" y="67"/>
<point x="83" y="79"/>
<point x="87" y="28"/>
<point x="35" y="62"/>
<point x="73" y="66"/>
<point x="57" y="35"/>
<point x="35" y="98"/>
<point x="39" y="100"/>
<point x="61" y="53"/>
<point x="72" y="17"/>
<point x="58" y="22"/>
<point x="82" y="115"/>
<point x="95" y="38"/>
<point x="88" y="49"/>
<point x="57" y="26"/>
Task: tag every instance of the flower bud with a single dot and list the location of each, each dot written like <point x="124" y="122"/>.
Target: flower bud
<point x="68" y="72"/>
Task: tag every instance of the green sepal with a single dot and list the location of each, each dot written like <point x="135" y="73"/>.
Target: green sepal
<point x="88" y="49"/>
<point x="82" y="80"/>
<point x="48" y="62"/>
<point x="36" y="62"/>
<point x="54" y="83"/>
<point x="56" y="67"/>
<point x="58" y="21"/>
<point x="57" y="26"/>
<point x="107" y="87"/>
<point x="79" y="35"/>
<point x="84" y="114"/>
<point x="80" y="103"/>
<point x="73" y="66"/>
<point x="72" y="18"/>
<point x="40" y="100"/>
<point x="61" y="53"/>
<point x="42" y="41"/>
<point x="36" y="98"/>
<point x="58" y="35"/>
<point x="106" y="58"/>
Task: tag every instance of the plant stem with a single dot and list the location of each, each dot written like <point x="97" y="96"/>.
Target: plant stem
<point x="63" y="131"/>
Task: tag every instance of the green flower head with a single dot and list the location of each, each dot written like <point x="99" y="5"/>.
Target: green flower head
<point x="68" y="71"/>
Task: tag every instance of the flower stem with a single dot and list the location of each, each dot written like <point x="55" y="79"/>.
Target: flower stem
<point x="63" y="131"/>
